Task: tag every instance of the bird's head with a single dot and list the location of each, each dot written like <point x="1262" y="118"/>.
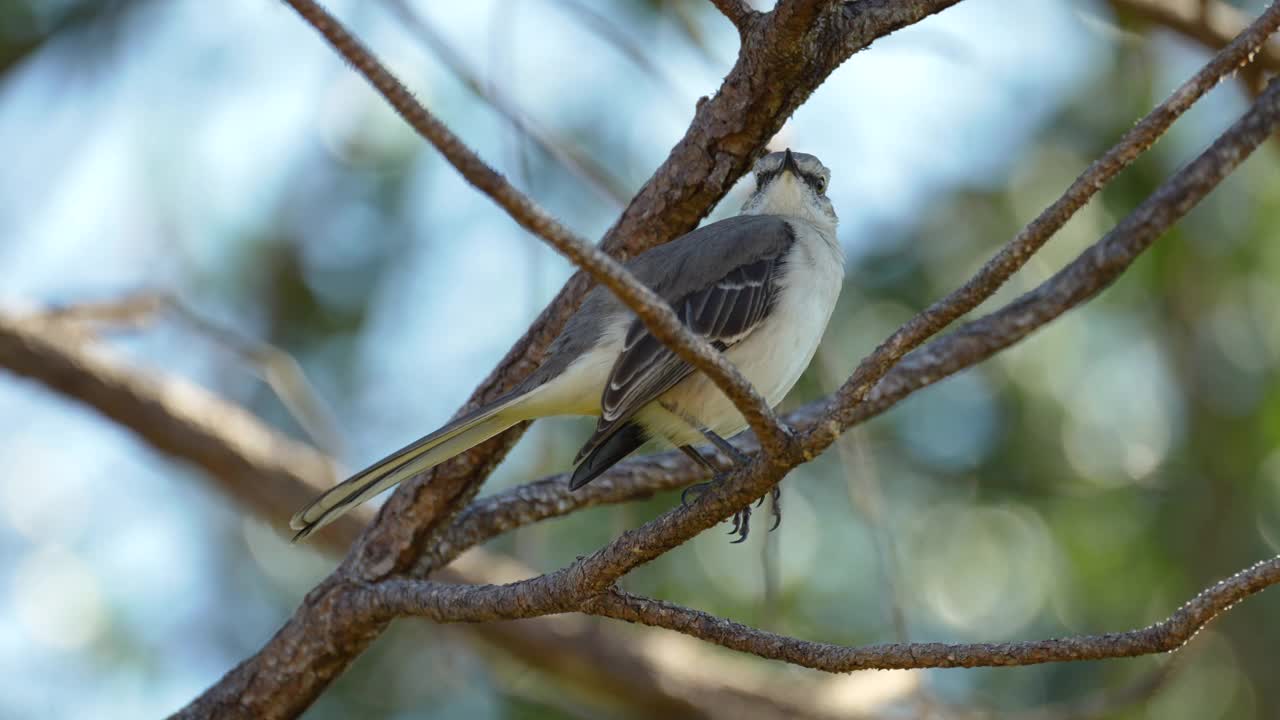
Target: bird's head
<point x="793" y="184"/>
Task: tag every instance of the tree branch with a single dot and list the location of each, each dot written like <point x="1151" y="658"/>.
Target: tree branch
<point x="739" y="12"/>
<point x="1211" y="24"/>
<point x="578" y="163"/>
<point x="1164" y="636"/>
<point x="270" y="475"/>
<point x="172" y="416"/>
<point x="603" y="26"/>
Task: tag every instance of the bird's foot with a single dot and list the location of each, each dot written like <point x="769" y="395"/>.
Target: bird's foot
<point x="742" y="518"/>
<point x="697" y="490"/>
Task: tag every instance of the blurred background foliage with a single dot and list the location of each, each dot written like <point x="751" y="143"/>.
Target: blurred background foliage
<point x="1090" y="479"/>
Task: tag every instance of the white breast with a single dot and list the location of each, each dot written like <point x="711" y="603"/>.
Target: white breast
<point x="775" y="355"/>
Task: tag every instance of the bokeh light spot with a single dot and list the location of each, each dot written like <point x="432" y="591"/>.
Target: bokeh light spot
<point x="57" y="600"/>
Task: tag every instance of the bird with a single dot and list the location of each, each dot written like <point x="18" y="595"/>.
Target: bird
<point x="760" y="287"/>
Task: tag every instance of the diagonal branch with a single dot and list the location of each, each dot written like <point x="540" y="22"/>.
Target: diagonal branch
<point x="1164" y="636"/>
<point x="171" y="415"/>
<point x="565" y="154"/>
<point x="658" y="316"/>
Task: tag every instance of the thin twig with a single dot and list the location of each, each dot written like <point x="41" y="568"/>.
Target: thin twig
<point x="278" y="369"/>
<point x="1164" y="636"/>
<point x="578" y="163"/>
<point x="604" y="27"/>
<point x="866" y="495"/>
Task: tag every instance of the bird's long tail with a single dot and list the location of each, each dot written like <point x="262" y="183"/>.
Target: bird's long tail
<point x="452" y="439"/>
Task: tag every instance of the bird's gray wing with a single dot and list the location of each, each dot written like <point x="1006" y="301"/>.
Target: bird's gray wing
<point x="680" y="268"/>
<point x="724" y="310"/>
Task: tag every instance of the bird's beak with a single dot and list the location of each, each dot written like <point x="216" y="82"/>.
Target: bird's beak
<point x="789" y="164"/>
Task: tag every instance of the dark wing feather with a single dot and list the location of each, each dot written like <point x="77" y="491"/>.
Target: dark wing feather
<point x="724" y="313"/>
<point x="620" y="444"/>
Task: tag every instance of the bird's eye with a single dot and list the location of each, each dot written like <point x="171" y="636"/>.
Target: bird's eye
<point x="822" y="184"/>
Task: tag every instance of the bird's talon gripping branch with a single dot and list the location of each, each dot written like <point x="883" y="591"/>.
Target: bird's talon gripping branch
<point x="741" y="525"/>
<point x="742" y="518"/>
<point x="697" y="490"/>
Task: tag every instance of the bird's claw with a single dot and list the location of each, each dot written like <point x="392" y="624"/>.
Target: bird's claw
<point x="775" y="494"/>
<point x="741" y="519"/>
<point x="741" y="525"/>
<point x="697" y="490"/>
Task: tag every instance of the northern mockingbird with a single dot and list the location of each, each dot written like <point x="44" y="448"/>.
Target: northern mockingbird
<point x="760" y="287"/>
